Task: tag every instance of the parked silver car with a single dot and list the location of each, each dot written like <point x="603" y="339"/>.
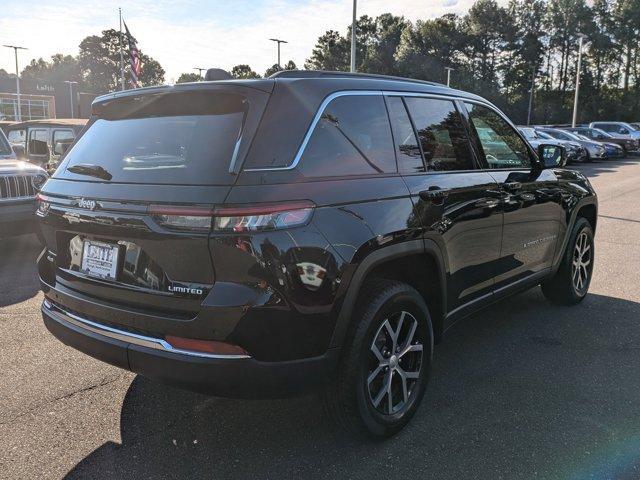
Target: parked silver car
<point x="595" y="151"/>
<point x="621" y="130"/>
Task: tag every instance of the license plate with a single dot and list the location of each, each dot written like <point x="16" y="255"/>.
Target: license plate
<point x="100" y="259"/>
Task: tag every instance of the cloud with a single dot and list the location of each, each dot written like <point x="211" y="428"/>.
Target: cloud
<point x="184" y="34"/>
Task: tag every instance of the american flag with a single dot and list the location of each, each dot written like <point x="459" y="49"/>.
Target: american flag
<point x="134" y="59"/>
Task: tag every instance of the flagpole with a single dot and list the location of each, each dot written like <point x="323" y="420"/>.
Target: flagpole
<point x="121" y="57"/>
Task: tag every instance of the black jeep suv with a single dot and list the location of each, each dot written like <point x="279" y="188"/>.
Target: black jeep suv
<point x="259" y="238"/>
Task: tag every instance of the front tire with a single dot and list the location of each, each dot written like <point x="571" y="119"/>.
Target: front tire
<point x="571" y="282"/>
<point x="384" y="370"/>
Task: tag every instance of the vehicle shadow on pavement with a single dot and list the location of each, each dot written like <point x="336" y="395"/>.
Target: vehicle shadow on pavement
<point x="593" y="169"/>
<point x="524" y="389"/>
<point x="18" y="273"/>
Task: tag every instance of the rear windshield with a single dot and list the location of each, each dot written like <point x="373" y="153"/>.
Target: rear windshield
<point x="184" y="138"/>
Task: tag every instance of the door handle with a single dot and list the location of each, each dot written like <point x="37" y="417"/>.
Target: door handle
<point x="512" y="186"/>
<point x="434" y="193"/>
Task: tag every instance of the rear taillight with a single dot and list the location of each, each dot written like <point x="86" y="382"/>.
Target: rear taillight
<point x="234" y="218"/>
<point x="182" y="218"/>
<point x="255" y="218"/>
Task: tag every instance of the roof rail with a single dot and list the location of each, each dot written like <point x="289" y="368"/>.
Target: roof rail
<point x="332" y="74"/>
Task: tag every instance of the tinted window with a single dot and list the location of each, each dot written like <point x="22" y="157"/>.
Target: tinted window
<point x="441" y="134"/>
<point x="352" y="137"/>
<point x="407" y="149"/>
<point x="502" y="146"/>
<point x="183" y="139"/>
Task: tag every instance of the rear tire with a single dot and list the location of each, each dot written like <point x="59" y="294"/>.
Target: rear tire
<point x="386" y="361"/>
<point x="571" y="282"/>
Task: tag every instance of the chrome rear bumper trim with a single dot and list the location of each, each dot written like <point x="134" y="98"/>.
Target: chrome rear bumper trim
<point x="63" y="316"/>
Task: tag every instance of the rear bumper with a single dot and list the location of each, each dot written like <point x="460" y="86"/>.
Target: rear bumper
<point x="222" y="375"/>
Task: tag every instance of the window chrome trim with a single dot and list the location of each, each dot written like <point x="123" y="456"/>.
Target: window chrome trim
<point x="63" y="316"/>
<point x="325" y="103"/>
<point x="316" y="119"/>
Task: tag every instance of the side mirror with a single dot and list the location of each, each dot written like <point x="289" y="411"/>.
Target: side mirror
<point x="18" y="149"/>
<point x="61" y="147"/>
<point x="552" y="156"/>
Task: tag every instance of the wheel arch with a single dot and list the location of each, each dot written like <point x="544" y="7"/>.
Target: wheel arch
<point x="399" y="262"/>
<point x="586" y="207"/>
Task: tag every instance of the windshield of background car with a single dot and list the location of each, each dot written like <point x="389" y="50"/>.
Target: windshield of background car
<point x="17" y="137"/>
<point x="186" y="138"/>
<point x="602" y="132"/>
<point x="529" y="133"/>
<point x="5" y="148"/>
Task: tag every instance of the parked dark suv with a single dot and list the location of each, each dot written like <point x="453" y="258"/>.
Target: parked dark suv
<point x="261" y="238"/>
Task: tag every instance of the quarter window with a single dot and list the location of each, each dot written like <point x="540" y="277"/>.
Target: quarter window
<point x="502" y="146"/>
<point x="407" y="148"/>
<point x="352" y="137"/>
<point x="442" y="136"/>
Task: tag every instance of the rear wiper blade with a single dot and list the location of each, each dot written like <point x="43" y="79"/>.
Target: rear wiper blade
<point x="91" y="170"/>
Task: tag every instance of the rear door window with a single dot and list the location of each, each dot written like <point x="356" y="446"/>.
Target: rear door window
<point x="441" y="133"/>
<point x="352" y="137"/>
<point x="187" y="138"/>
<point x="404" y="136"/>
<point x="38" y="142"/>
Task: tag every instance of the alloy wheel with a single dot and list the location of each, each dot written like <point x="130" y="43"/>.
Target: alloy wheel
<point x="581" y="263"/>
<point x="394" y="364"/>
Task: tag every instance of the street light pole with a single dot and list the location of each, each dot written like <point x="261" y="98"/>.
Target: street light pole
<point x="353" y="39"/>
<point x="278" y="41"/>
<point x="200" y="70"/>
<point x="71" y="83"/>
<point x="121" y="55"/>
<point x="448" y="69"/>
<point x="533" y="85"/>
<point x="575" y="98"/>
<point x="15" y="51"/>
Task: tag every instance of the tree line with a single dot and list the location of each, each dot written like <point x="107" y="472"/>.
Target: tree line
<point x="499" y="52"/>
<point x="496" y="51"/>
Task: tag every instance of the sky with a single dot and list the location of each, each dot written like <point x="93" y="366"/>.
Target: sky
<point x="183" y="34"/>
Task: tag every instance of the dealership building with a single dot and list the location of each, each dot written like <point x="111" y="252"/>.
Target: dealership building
<point x="40" y="99"/>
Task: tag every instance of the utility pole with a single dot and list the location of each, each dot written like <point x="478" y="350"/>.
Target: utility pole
<point x="200" y="70"/>
<point x="448" y="69"/>
<point x="121" y="56"/>
<point x="71" y="103"/>
<point x="575" y="98"/>
<point x="278" y="41"/>
<point x="533" y="86"/>
<point x="15" y="52"/>
<point x="353" y="39"/>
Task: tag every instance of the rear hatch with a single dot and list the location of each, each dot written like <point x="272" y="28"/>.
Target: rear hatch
<point x="116" y="214"/>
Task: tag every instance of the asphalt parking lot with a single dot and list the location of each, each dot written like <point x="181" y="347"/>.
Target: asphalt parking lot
<point x="522" y="390"/>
